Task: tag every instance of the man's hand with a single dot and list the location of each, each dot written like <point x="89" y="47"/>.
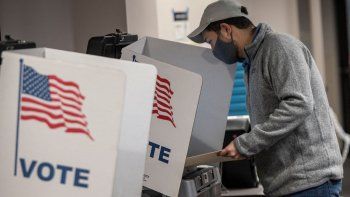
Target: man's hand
<point x="231" y="151"/>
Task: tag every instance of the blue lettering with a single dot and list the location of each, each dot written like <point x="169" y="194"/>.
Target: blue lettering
<point x="79" y="177"/>
<point x="164" y="152"/>
<point x="154" y="146"/>
<point x="27" y="172"/>
<point x="64" y="170"/>
<point x="46" y="172"/>
<point x="50" y="174"/>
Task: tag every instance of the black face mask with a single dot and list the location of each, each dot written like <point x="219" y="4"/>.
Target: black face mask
<point x="226" y="51"/>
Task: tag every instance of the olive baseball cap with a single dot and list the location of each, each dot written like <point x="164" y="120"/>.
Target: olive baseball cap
<point x="219" y="10"/>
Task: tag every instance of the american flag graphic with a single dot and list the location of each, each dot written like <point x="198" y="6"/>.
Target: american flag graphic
<point x="55" y="102"/>
<point x="162" y="100"/>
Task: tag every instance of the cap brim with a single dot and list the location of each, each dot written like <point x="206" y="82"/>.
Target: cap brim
<point x="196" y="35"/>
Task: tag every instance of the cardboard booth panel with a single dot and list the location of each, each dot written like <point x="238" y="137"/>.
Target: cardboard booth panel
<point x="139" y="93"/>
<point x="175" y="103"/>
<point x="137" y="115"/>
<point x="58" y="135"/>
<point x="211" y="117"/>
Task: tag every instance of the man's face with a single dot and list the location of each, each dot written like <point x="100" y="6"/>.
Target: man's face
<point x="223" y="43"/>
<point x="228" y="34"/>
<point x="210" y="37"/>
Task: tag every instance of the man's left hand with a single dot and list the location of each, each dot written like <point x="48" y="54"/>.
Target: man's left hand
<point x="231" y="151"/>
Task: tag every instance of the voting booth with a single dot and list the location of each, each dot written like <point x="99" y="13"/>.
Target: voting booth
<point x="192" y="97"/>
<point x="73" y="124"/>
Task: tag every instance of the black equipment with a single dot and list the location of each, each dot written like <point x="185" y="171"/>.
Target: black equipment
<point x="110" y="45"/>
<point x="238" y="174"/>
<point x="12" y="44"/>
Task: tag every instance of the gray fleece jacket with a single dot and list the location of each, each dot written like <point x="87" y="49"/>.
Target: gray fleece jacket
<point x="293" y="137"/>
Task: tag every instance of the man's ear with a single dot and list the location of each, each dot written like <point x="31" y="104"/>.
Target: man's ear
<point x="225" y="31"/>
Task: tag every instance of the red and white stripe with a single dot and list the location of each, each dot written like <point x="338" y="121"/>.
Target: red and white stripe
<point x="64" y="111"/>
<point x="162" y="100"/>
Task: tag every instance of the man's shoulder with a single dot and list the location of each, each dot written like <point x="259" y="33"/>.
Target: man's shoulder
<point x="278" y="41"/>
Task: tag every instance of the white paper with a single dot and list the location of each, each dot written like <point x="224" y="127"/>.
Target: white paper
<point x="206" y="159"/>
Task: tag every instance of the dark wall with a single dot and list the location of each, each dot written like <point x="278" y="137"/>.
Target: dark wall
<point x="61" y="24"/>
<point x="93" y="18"/>
<point x="47" y="22"/>
<point x="343" y="25"/>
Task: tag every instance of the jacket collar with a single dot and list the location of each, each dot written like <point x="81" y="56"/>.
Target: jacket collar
<point x="252" y="48"/>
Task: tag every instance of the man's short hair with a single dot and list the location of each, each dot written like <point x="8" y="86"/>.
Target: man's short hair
<point x="240" y="22"/>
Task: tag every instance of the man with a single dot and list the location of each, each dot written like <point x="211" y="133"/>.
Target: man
<point x="293" y="138"/>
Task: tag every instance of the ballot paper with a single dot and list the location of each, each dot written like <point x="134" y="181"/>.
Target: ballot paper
<point x="207" y="158"/>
